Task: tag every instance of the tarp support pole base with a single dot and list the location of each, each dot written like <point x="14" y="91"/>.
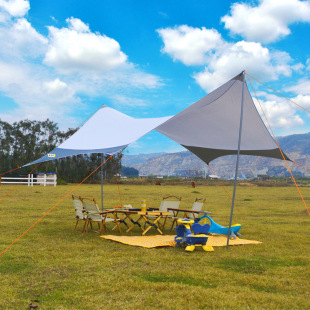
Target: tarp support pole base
<point x="237" y="163"/>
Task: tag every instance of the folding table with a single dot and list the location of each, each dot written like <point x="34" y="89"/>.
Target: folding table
<point x="143" y="217"/>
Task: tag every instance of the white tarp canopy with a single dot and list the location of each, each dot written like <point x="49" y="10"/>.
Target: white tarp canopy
<point x="209" y="128"/>
<point x="107" y="131"/>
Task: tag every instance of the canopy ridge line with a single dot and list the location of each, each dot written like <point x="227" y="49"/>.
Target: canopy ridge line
<point x="53" y="207"/>
<point x="88" y="118"/>
<point x="248" y="75"/>
<point x="81" y="124"/>
<point x="10" y="171"/>
<point x="119" y="192"/>
<point x="20" y="181"/>
<point x="227" y="192"/>
<point x="280" y="148"/>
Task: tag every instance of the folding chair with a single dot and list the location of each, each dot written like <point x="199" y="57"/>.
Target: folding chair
<point x="80" y="214"/>
<point x="190" y="214"/>
<point x="169" y="205"/>
<point x="95" y="216"/>
<point x="196" y="208"/>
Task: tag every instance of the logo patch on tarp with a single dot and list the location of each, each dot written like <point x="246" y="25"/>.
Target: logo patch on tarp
<point x="51" y="155"/>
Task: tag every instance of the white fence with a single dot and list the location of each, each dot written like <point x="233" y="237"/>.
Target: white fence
<point x="30" y="180"/>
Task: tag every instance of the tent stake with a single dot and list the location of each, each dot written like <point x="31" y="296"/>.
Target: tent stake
<point x="101" y="182"/>
<point x="237" y="162"/>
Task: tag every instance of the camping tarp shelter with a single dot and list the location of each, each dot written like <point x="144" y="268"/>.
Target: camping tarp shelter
<point x="209" y="128"/>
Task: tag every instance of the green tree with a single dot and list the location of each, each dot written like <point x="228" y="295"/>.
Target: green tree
<point x="129" y="171"/>
<point x="26" y="141"/>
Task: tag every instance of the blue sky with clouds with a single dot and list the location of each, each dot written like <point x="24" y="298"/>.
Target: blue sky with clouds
<point x="63" y="59"/>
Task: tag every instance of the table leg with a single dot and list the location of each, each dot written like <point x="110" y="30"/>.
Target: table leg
<point x="116" y="220"/>
<point x="152" y="224"/>
<point x="135" y="223"/>
<point x="121" y="221"/>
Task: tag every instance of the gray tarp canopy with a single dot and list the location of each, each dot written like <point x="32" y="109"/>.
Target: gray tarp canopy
<point x="209" y="128"/>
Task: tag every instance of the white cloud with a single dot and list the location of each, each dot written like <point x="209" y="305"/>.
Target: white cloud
<point x="36" y="98"/>
<point x="190" y="45"/>
<point x="268" y="21"/>
<point x="281" y="114"/>
<point x="251" y="56"/>
<point x="222" y="59"/>
<point x="4" y="16"/>
<point x="302" y="100"/>
<point x="76" y="49"/>
<point x="20" y="39"/>
<point x="16" y="8"/>
<point x="39" y="92"/>
<point x="128" y="101"/>
<point x="59" y="90"/>
<point x="39" y="96"/>
<point x="299" y="67"/>
<point x="10" y="75"/>
<point x="109" y="83"/>
<point x="77" y="25"/>
<point x="303" y="88"/>
<point x="24" y="79"/>
<point x="22" y="31"/>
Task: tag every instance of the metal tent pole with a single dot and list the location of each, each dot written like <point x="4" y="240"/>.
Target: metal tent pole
<point x="237" y="163"/>
<point x="101" y="169"/>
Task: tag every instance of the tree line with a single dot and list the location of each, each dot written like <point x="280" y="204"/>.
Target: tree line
<point x="25" y="141"/>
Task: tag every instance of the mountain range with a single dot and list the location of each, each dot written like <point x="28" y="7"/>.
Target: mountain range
<point x="296" y="147"/>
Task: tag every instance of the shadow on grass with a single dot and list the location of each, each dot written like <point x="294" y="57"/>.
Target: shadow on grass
<point x="257" y="265"/>
<point x="14" y="267"/>
<point x="195" y="192"/>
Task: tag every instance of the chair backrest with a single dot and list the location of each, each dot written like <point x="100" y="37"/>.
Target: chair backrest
<point x="197" y="206"/>
<point x="92" y="211"/>
<point x="78" y="207"/>
<point x="165" y="204"/>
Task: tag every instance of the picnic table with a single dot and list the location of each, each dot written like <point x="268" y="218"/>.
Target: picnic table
<point x="146" y="219"/>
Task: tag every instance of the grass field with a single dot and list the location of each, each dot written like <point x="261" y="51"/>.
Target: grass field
<point x="56" y="267"/>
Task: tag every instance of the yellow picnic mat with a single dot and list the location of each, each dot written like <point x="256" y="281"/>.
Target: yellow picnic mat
<point x="168" y="240"/>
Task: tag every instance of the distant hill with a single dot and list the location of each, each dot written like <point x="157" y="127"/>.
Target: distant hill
<point x="296" y="143"/>
<point x="130" y="160"/>
<point x="297" y="147"/>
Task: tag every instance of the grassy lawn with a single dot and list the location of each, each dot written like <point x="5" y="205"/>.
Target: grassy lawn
<point x="56" y="267"/>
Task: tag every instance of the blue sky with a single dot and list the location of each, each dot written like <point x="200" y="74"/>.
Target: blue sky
<point x="63" y="59"/>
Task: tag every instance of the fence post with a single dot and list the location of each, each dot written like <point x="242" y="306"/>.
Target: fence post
<point x="31" y="180"/>
<point x="44" y="180"/>
<point x="28" y="179"/>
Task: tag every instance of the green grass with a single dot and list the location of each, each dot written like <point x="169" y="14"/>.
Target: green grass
<point x="64" y="269"/>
